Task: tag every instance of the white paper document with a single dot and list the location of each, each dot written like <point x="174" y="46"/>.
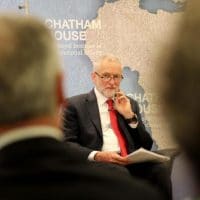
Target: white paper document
<point x="143" y="155"/>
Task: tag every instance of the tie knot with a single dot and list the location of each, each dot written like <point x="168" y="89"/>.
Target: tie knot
<point x="110" y="104"/>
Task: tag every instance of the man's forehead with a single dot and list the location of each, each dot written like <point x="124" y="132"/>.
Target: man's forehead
<point x="110" y="64"/>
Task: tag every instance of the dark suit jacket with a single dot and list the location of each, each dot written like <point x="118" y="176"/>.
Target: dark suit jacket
<point x="82" y="126"/>
<point x="40" y="168"/>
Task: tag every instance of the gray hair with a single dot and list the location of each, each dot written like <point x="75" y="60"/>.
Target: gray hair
<point x="29" y="65"/>
<point x="108" y="57"/>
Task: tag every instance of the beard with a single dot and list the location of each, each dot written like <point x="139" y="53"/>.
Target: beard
<point x="109" y="93"/>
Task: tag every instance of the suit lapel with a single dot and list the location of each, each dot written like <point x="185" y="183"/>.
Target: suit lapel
<point x="93" y="111"/>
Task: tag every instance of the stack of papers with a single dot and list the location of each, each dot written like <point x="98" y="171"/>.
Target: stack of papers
<point x="143" y="155"/>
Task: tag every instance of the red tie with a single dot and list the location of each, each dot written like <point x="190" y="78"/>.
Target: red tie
<point x="115" y="127"/>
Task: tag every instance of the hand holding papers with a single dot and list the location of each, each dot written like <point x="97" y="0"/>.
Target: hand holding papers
<point x="143" y="155"/>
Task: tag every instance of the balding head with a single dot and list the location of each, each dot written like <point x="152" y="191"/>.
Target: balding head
<point x="29" y="66"/>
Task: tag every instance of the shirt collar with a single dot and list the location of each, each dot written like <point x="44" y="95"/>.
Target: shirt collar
<point x="29" y="132"/>
<point x="101" y="99"/>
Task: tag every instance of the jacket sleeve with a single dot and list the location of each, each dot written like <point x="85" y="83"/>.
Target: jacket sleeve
<point x="71" y="129"/>
<point x="140" y="135"/>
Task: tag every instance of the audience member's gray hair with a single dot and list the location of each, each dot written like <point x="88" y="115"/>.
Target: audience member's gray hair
<point x="108" y="57"/>
<point x="29" y="66"/>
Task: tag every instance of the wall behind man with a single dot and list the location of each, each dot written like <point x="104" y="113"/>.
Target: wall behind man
<point x="133" y="30"/>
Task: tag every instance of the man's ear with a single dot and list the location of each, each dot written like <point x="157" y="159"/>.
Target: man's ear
<point x="59" y="89"/>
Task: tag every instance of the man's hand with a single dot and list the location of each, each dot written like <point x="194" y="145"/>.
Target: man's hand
<point x="111" y="157"/>
<point x="123" y="105"/>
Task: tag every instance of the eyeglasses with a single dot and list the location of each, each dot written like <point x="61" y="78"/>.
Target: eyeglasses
<point x="107" y="77"/>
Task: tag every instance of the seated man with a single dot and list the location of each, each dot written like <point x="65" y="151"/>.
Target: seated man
<point x="34" y="161"/>
<point x="105" y="125"/>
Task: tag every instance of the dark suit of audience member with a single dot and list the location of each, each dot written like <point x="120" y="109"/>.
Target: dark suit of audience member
<point x="88" y="129"/>
<point x="39" y="168"/>
<point x="35" y="163"/>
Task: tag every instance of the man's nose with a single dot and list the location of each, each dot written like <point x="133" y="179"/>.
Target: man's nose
<point x="112" y="81"/>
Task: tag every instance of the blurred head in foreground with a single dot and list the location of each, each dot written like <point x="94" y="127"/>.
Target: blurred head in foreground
<point x="181" y="84"/>
<point x="30" y="80"/>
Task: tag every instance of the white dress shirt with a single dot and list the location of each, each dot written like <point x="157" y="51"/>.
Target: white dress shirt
<point x="110" y="141"/>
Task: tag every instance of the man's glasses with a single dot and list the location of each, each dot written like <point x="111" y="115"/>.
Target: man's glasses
<point x="107" y="77"/>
